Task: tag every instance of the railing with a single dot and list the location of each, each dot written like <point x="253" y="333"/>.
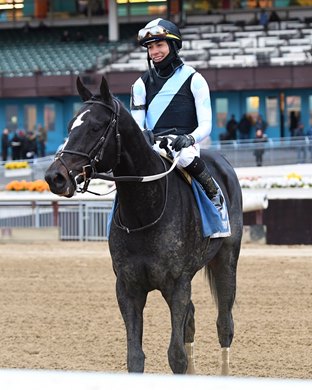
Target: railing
<point x="77" y="221"/>
<point x="277" y="151"/>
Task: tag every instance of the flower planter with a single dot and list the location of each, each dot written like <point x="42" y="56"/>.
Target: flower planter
<point x="21" y="172"/>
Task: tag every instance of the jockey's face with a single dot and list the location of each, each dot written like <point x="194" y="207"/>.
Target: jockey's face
<point x="158" y="50"/>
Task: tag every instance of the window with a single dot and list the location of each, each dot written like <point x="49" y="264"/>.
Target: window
<point x="252" y="107"/>
<point x="49" y="116"/>
<point x="11" y="117"/>
<point x="30" y="117"/>
<point x="222" y="112"/>
<point x="271" y="111"/>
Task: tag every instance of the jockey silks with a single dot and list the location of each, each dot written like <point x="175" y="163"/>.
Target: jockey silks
<point x="165" y="97"/>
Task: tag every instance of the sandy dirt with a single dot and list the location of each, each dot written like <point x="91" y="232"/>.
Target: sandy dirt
<point x="59" y="311"/>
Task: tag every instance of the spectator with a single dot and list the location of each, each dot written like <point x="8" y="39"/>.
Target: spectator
<point x="17" y="144"/>
<point x="31" y="147"/>
<point x="259" y="146"/>
<point x="260" y="124"/>
<point x="244" y="127"/>
<point x="42" y="140"/>
<point x="79" y="36"/>
<point x="263" y="19"/>
<point x="5" y="143"/>
<point x="65" y="37"/>
<point x="300" y="141"/>
<point x="274" y="17"/>
<point x="293" y="122"/>
<point x="231" y="128"/>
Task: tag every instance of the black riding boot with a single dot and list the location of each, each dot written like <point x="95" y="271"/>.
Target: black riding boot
<point x="199" y="171"/>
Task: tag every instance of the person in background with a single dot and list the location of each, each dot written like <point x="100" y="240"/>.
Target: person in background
<point x="300" y="141"/>
<point x="30" y="148"/>
<point x="259" y="146"/>
<point x="17" y="144"/>
<point x="293" y="122"/>
<point x="244" y="127"/>
<point x="174" y="98"/>
<point x="260" y="124"/>
<point x="263" y="19"/>
<point x="42" y="140"/>
<point x="5" y="143"/>
<point x="231" y="128"/>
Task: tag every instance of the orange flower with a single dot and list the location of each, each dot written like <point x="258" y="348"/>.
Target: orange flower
<point x="23" y="185"/>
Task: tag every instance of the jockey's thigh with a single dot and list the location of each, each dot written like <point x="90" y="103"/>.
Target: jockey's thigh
<point x="187" y="155"/>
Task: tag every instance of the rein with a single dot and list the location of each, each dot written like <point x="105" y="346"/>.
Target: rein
<point x="119" y="225"/>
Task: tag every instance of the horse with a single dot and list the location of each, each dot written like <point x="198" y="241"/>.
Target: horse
<point x="155" y="238"/>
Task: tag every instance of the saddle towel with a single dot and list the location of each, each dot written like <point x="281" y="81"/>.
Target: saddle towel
<point x="215" y="224"/>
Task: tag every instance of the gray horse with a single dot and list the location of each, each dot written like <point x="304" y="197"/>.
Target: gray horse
<point x="156" y="239"/>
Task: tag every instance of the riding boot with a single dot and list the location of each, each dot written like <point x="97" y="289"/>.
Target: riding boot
<point x="200" y="172"/>
<point x="212" y="191"/>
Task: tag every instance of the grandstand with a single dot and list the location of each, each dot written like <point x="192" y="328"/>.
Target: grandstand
<point x="41" y="50"/>
<point x="236" y="45"/>
<point x="249" y="68"/>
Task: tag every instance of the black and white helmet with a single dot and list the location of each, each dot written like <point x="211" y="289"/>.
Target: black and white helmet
<point x="158" y="30"/>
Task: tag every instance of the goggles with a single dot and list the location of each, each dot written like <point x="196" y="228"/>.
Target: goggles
<point x="156" y="32"/>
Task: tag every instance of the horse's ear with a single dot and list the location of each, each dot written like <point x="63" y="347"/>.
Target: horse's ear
<point x="105" y="92"/>
<point x="84" y="93"/>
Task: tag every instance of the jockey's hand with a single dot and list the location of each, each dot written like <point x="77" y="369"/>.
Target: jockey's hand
<point x="182" y="141"/>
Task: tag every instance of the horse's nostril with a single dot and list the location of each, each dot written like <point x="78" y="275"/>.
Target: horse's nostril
<point x="55" y="180"/>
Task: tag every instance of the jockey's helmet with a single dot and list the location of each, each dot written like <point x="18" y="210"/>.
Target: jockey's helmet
<point x="158" y="30"/>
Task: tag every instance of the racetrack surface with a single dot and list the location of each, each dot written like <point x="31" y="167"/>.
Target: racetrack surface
<point x="59" y="311"/>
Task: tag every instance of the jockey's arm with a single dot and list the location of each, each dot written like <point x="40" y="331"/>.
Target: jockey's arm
<point x="137" y="103"/>
<point x="201" y="93"/>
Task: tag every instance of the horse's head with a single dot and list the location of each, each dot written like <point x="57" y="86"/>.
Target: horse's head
<point x="93" y="129"/>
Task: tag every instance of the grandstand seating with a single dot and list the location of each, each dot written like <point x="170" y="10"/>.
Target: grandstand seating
<point x="237" y="45"/>
<point x="42" y="50"/>
<point x="207" y="45"/>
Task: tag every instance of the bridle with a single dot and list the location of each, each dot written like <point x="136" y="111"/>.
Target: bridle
<point x="96" y="154"/>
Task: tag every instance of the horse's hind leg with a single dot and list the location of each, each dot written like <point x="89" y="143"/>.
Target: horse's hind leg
<point x="131" y="307"/>
<point x="189" y="339"/>
<point x="222" y="273"/>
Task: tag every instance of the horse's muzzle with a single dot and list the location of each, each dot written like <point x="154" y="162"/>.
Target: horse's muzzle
<point x="59" y="181"/>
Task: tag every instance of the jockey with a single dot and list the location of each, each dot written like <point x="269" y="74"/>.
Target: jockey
<point x="173" y="96"/>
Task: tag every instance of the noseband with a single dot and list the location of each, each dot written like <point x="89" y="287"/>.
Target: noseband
<point x="96" y="154"/>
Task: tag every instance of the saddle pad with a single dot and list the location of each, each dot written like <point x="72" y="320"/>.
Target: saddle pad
<point x="215" y="224"/>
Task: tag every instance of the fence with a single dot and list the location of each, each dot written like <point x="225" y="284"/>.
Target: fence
<point x="77" y="221"/>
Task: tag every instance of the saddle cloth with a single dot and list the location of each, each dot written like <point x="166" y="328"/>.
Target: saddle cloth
<point x="215" y="224"/>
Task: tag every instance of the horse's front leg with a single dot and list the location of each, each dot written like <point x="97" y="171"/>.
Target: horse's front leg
<point x="131" y="304"/>
<point x="223" y="270"/>
<point x="178" y="297"/>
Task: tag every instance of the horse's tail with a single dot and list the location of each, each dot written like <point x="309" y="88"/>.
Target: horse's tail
<point x="212" y="283"/>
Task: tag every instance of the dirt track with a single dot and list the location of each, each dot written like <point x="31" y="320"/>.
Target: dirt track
<point x="59" y="311"/>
